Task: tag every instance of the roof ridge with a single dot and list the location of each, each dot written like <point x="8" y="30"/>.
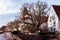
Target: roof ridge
<point x="55" y="5"/>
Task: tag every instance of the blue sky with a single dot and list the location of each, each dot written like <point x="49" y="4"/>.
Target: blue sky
<point x="8" y="8"/>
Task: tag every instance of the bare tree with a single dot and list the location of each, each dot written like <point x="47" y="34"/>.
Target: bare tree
<point x="34" y="13"/>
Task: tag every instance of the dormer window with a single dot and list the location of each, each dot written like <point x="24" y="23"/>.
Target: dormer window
<point x="26" y="16"/>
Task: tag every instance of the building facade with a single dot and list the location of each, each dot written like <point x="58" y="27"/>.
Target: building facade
<point x="54" y="18"/>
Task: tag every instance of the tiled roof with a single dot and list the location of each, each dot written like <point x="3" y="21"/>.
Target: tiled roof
<point x="42" y="18"/>
<point x="57" y="10"/>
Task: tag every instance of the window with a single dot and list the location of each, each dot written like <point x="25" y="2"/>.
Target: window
<point x="54" y="23"/>
<point x="53" y="29"/>
<point x="52" y="18"/>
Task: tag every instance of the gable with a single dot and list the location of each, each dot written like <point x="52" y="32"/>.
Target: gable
<point x="57" y="10"/>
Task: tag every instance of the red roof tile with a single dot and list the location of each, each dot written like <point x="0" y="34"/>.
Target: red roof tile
<point x="57" y="10"/>
<point x="42" y="18"/>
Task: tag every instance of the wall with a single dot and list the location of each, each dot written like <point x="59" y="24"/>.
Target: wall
<point x="52" y="20"/>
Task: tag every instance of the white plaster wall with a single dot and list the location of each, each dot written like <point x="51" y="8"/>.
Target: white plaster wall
<point x="51" y="23"/>
<point x="59" y="25"/>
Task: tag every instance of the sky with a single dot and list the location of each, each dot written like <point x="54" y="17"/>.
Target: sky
<point x="8" y="8"/>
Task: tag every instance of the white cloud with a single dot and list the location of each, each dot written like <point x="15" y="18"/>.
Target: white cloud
<point x="8" y="6"/>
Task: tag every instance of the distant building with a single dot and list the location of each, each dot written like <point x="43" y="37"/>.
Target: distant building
<point x="44" y="26"/>
<point x="2" y="28"/>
